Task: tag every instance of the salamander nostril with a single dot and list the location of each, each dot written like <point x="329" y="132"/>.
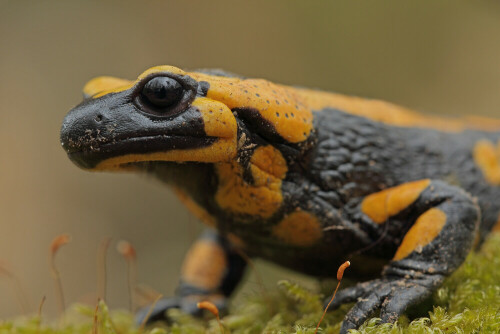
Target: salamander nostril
<point x="98" y="118"/>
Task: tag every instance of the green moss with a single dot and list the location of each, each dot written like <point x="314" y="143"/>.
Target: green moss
<point x="468" y="302"/>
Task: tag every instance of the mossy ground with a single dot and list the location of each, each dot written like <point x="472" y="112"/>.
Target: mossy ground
<point x="468" y="302"/>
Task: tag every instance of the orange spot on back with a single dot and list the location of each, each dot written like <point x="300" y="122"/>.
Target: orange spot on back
<point x="425" y="229"/>
<point x="300" y="228"/>
<point x="482" y="123"/>
<point x="487" y="157"/>
<point x="387" y="203"/>
<point x="388" y="113"/>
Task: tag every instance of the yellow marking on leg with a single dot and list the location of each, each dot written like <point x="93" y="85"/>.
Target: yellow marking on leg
<point x="389" y="202"/>
<point x="299" y="228"/>
<point x="425" y="229"/>
<point x="205" y="265"/>
<point x="198" y="211"/>
<point x="487" y="157"/>
<point x="262" y="198"/>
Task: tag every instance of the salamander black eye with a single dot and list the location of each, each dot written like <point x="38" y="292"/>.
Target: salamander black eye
<point x="162" y="92"/>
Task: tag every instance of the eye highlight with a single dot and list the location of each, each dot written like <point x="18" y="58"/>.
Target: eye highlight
<point x="162" y="92"/>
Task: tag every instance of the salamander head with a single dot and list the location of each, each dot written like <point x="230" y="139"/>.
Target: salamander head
<point x="171" y="115"/>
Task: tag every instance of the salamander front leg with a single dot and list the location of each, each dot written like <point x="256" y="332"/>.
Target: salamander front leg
<point x="211" y="270"/>
<point x="434" y="246"/>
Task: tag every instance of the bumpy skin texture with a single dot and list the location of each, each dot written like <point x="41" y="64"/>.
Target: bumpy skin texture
<point x="304" y="179"/>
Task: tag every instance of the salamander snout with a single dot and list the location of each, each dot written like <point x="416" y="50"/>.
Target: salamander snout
<point x="85" y="128"/>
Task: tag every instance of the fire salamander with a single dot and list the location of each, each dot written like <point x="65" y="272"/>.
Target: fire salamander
<point x="303" y="178"/>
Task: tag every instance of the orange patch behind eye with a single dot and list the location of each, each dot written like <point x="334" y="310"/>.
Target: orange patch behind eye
<point x="218" y="119"/>
<point x="387" y="203"/>
<point x="425" y="229"/>
<point x="279" y="105"/>
<point x="101" y="86"/>
<point x="299" y="228"/>
<point x="487" y="157"/>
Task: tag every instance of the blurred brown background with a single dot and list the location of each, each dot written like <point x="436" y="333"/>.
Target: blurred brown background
<point x="439" y="56"/>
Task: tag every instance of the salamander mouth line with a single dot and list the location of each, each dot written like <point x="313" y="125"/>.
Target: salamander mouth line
<point x="98" y="145"/>
<point x="88" y="156"/>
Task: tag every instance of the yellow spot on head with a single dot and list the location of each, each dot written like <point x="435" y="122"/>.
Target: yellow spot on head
<point x="218" y="119"/>
<point x="387" y="203"/>
<point x="101" y="86"/>
<point x="105" y="85"/>
<point x="299" y="228"/>
<point x="161" y="68"/>
<point x="487" y="157"/>
<point x="425" y="229"/>
<point x="277" y="104"/>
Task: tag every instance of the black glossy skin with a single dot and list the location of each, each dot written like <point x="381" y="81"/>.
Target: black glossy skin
<point x="352" y="158"/>
<point x="345" y="159"/>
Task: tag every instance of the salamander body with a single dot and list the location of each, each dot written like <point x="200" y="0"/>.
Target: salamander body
<point x="303" y="178"/>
